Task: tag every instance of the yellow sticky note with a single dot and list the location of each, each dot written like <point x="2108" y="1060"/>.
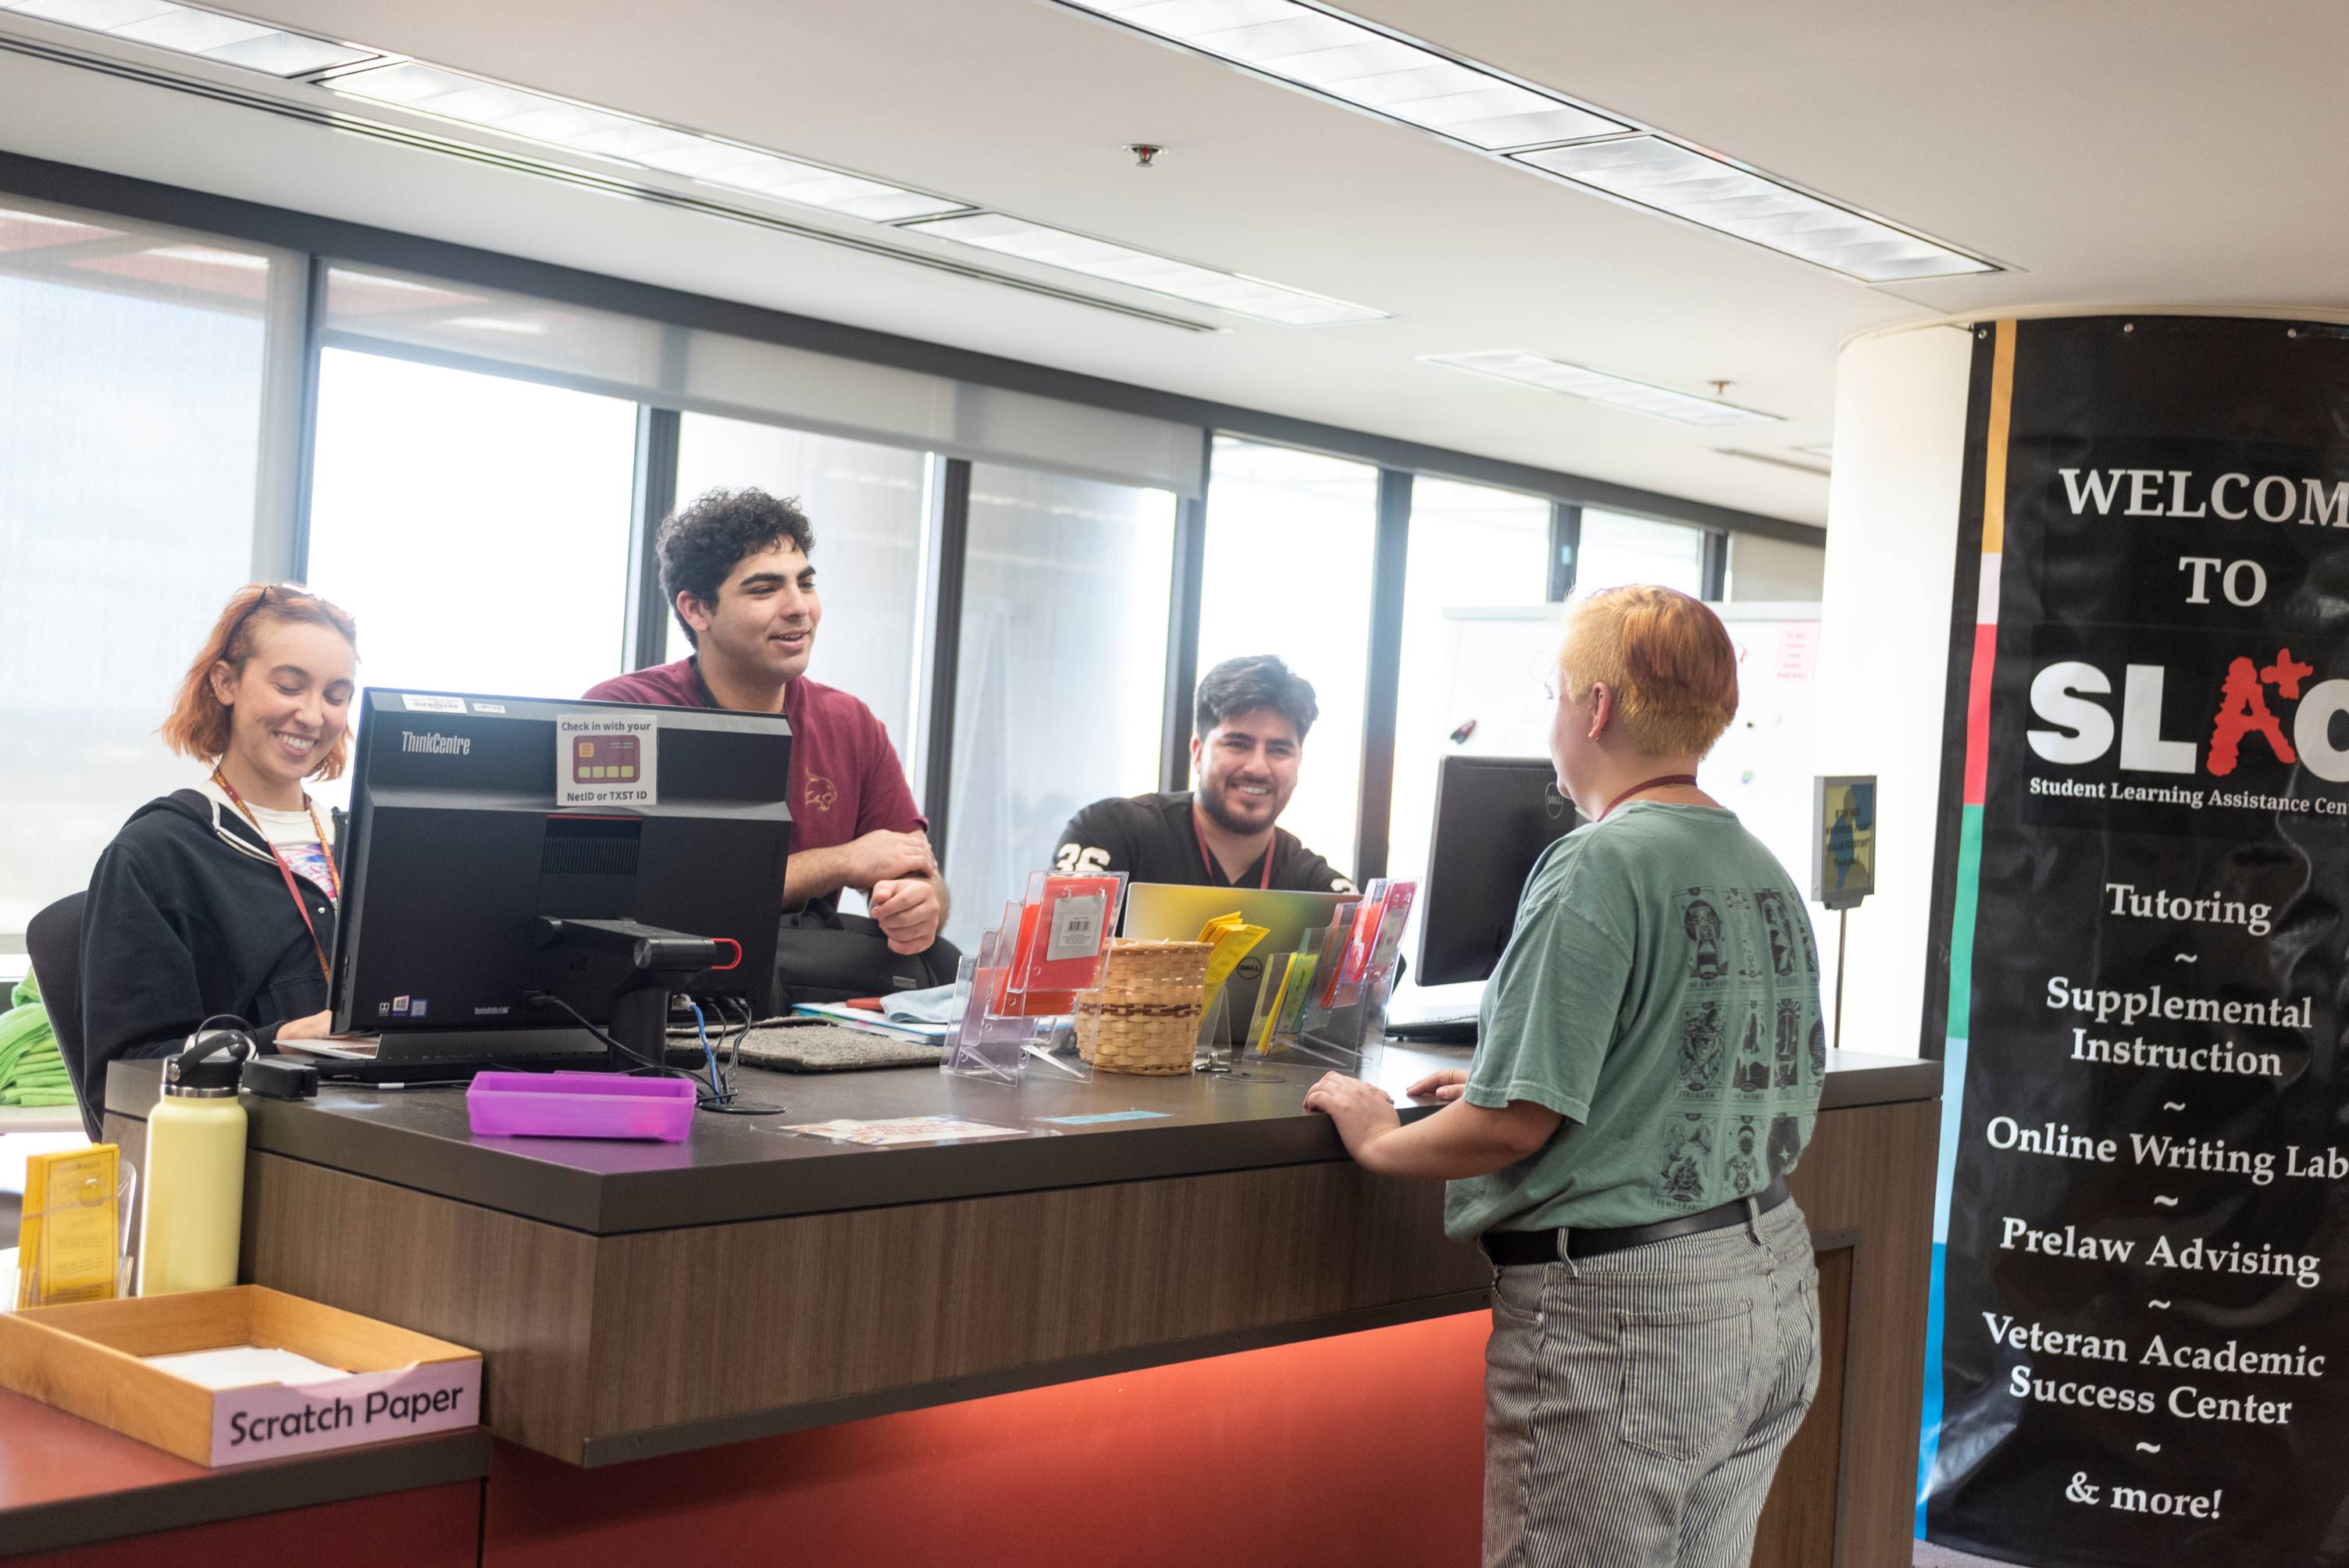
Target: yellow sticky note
<point x="69" y="1240"/>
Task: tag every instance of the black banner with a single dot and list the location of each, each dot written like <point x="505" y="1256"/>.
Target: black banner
<point x="2146" y="1326"/>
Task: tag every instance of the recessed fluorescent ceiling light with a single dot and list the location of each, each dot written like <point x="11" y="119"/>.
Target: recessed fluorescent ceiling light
<point x="1791" y="459"/>
<point x="603" y="133"/>
<point x="186" y="30"/>
<point x="1686" y="183"/>
<point x="1616" y="391"/>
<point x="1141" y="269"/>
<point x="606" y="133"/>
<point x="1332" y="55"/>
<point x="1371" y="69"/>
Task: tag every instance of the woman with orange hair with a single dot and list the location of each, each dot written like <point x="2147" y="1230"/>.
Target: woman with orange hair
<point x="1647" y="1071"/>
<point x="221" y="898"/>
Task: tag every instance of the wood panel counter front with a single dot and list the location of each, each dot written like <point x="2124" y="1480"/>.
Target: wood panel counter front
<point x="640" y="1299"/>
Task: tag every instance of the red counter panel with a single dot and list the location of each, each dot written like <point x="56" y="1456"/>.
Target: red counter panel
<point x="1365" y="1449"/>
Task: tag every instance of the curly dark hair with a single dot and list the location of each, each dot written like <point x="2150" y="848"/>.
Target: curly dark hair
<point x="700" y="545"/>
<point x="1246" y="684"/>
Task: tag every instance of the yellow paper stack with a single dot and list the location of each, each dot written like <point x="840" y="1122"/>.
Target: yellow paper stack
<point x="1233" y="939"/>
<point x="70" y="1247"/>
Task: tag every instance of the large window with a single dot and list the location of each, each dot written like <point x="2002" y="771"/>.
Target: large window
<point x="1471" y="547"/>
<point x="477" y="526"/>
<point x="472" y="474"/>
<point x="1290" y="544"/>
<point x="869" y="507"/>
<point x="1618" y="549"/>
<point x="1062" y="660"/>
<point x="131" y="368"/>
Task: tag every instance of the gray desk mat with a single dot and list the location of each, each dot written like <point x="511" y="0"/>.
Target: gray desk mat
<point x="817" y="1047"/>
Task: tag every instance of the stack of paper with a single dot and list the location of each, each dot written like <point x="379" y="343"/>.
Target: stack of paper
<point x="873" y="1023"/>
<point x="1234" y="939"/>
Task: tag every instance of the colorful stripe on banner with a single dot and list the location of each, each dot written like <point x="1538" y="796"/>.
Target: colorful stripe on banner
<point x="1969" y="877"/>
<point x="1962" y="923"/>
<point x="2002" y="409"/>
<point x="1977" y="716"/>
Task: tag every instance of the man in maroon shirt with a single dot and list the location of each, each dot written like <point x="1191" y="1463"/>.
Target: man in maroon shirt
<point x="734" y="567"/>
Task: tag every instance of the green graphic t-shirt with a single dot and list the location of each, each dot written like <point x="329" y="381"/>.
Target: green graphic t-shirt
<point x="1662" y="993"/>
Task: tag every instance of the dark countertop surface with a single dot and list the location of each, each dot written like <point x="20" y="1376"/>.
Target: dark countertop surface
<point x="735" y="1168"/>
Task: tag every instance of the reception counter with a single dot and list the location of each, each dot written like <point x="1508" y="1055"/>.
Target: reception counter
<point x="709" y="1300"/>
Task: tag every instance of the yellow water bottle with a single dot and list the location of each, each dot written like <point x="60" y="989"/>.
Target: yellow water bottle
<point x="194" y="1181"/>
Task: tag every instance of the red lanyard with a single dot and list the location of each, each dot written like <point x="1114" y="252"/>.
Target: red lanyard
<point x="334" y="877"/>
<point x="1214" y="871"/>
<point x="1646" y="784"/>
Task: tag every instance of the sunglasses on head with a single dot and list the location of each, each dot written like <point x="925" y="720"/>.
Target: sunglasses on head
<point x="237" y="627"/>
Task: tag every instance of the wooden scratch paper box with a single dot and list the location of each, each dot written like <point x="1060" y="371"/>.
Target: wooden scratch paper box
<point x="230" y="1376"/>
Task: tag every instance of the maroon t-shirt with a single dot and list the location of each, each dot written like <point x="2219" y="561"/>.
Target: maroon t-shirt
<point x="845" y="779"/>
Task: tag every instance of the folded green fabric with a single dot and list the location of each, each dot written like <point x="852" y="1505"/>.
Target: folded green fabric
<point x="31" y="1071"/>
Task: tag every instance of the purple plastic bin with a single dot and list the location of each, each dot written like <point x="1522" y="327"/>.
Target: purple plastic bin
<point x="581" y="1105"/>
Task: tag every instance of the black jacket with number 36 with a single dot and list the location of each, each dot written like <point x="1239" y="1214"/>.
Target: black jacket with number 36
<point x="1152" y="839"/>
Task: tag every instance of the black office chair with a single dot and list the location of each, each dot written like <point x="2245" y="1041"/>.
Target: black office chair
<point x="53" y="938"/>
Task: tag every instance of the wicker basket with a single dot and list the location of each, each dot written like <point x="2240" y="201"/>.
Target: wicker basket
<point x="1145" y="1017"/>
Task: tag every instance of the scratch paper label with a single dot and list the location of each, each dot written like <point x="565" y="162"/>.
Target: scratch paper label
<point x="606" y="759"/>
<point x="274" y="1420"/>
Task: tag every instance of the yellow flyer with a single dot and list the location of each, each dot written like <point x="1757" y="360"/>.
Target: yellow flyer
<point x="68" y="1246"/>
<point x="1234" y="939"/>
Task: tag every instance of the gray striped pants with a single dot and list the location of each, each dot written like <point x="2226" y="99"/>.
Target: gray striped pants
<point x="1636" y="1402"/>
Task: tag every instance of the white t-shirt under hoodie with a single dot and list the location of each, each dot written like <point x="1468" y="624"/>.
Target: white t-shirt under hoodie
<point x="293" y="834"/>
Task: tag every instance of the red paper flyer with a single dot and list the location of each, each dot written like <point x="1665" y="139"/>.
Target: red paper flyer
<point x="1064" y="930"/>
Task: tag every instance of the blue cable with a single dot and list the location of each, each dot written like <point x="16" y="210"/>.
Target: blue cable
<point x="701" y="1028"/>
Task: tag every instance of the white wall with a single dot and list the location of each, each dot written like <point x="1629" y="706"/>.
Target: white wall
<point x="1884" y="641"/>
<point x="1776" y="569"/>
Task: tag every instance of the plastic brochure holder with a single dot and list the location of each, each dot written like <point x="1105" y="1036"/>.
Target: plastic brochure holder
<point x="1218" y="1050"/>
<point x="1373" y="943"/>
<point x="1064" y="925"/>
<point x="74" y="1241"/>
<point x="985" y="1046"/>
<point x="1301" y="1018"/>
<point x="1026" y="976"/>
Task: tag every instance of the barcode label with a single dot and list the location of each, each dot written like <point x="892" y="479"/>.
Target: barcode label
<point x="1076" y="927"/>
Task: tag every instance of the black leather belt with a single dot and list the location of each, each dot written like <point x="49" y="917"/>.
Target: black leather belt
<point x="1513" y="1249"/>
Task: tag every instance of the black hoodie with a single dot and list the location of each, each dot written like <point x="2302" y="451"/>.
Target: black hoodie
<point x="188" y="916"/>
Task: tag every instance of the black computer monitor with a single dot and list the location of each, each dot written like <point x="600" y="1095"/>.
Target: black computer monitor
<point x="1494" y="817"/>
<point x="477" y="908"/>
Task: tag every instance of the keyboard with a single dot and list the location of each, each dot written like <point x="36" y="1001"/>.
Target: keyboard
<point x="1443" y="1022"/>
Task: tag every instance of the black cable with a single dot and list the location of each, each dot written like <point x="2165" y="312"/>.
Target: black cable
<point x="730" y="1105"/>
<point x="645" y="1063"/>
<point x="722" y="1104"/>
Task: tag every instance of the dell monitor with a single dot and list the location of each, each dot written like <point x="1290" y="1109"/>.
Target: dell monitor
<point x="515" y="871"/>
<point x="1494" y="818"/>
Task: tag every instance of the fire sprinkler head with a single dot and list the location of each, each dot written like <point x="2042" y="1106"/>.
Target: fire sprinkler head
<point x="1145" y="153"/>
